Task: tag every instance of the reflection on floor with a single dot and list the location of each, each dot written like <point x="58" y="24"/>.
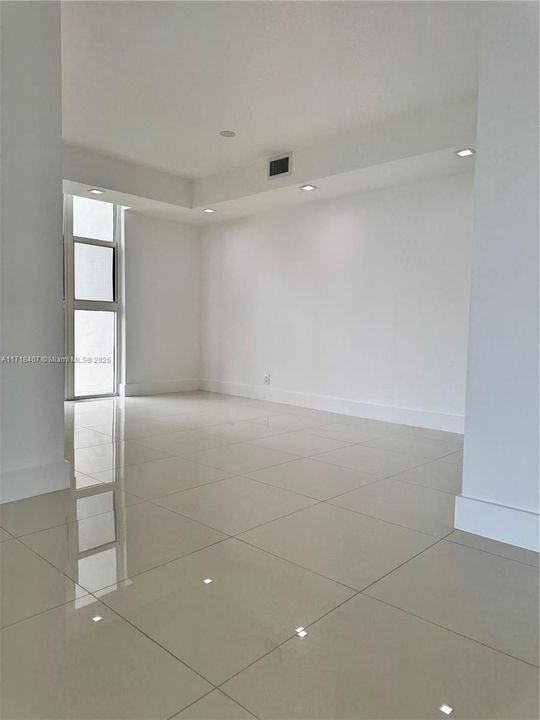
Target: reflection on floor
<point x="221" y="557"/>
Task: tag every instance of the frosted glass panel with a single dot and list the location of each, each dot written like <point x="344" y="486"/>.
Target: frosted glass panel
<point x="93" y="272"/>
<point x="92" y="219"/>
<point x="98" y="570"/>
<point x="95" y="333"/>
<point x="99" y="530"/>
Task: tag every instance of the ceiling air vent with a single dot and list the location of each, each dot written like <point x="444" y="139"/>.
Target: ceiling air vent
<point x="279" y="165"/>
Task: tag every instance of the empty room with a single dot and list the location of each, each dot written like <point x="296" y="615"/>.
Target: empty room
<point x="269" y="362"/>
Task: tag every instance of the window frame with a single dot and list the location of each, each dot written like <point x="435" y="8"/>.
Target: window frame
<point x="71" y="303"/>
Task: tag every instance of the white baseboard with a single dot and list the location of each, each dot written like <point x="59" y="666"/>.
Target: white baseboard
<point x="498" y="522"/>
<point x="35" y="480"/>
<point x="159" y="386"/>
<point x="388" y="413"/>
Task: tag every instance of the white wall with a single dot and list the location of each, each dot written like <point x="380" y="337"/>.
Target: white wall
<point x="162" y="305"/>
<point x="501" y="478"/>
<point x="358" y="305"/>
<point x="32" y="322"/>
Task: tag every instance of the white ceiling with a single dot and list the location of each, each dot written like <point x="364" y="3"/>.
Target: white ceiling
<point x="154" y="82"/>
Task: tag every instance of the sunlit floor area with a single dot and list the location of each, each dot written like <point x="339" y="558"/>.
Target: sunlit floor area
<point x="219" y="557"/>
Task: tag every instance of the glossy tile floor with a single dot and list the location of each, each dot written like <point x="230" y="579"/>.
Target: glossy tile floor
<point x="224" y="558"/>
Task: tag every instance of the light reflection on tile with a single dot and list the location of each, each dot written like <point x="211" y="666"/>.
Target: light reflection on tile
<point x="254" y="602"/>
<point x="156" y="478"/>
<point x="221" y="604"/>
<point x="368" y="660"/>
<point x="90" y="460"/>
<point x="142" y="535"/>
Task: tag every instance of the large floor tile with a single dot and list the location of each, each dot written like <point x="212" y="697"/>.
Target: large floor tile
<point x="183" y="442"/>
<point x="103" y="549"/>
<point x="366" y="661"/>
<point x="355" y="430"/>
<point x="288" y="422"/>
<point x="40" y="512"/>
<point x="64" y="665"/>
<point x="429" y="448"/>
<point x="254" y="602"/>
<point x="104" y="457"/>
<point x="485" y="597"/>
<point x="350" y="548"/>
<point x="437" y="475"/>
<point x="129" y="429"/>
<point x="235" y="504"/>
<point x="233" y="432"/>
<point x="317" y="417"/>
<point x="371" y="460"/>
<point x="412" y="506"/>
<point x="29" y="584"/>
<point x="241" y="458"/>
<point x="456" y="439"/>
<point x="529" y="557"/>
<point x="214" y="706"/>
<point x="161" y="477"/>
<point x="314" y="479"/>
<point x="301" y="443"/>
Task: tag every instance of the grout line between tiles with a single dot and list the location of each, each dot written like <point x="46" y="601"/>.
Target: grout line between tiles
<point x="154" y="567"/>
<point x="291" y="637"/>
<point x="363" y="592"/>
<point x="238" y="703"/>
<point x="437" y="541"/>
<point x="389" y="522"/>
<point x="296" y="492"/>
<point x="302" y="567"/>
<point x="489" y="552"/>
<point x="83" y="497"/>
<point x="255" y="527"/>
<point x="254" y="441"/>
<point x="171" y="717"/>
<point x="169" y="652"/>
<point x="48" y="609"/>
<point x="338" y="507"/>
<point x="454" y="632"/>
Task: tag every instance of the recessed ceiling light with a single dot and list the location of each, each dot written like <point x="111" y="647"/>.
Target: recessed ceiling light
<point x="301" y="632"/>
<point x="209" y="210"/>
<point x="96" y="191"/>
<point x="308" y="188"/>
<point x="446" y="709"/>
<point x="97" y="618"/>
<point x="465" y="152"/>
<point x="207" y="581"/>
<point x="227" y="133"/>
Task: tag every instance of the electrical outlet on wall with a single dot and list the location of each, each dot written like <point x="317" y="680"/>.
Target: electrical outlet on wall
<point x="267" y="379"/>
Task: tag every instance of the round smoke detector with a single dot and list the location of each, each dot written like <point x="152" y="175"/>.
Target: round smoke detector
<point x="227" y="133"/>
